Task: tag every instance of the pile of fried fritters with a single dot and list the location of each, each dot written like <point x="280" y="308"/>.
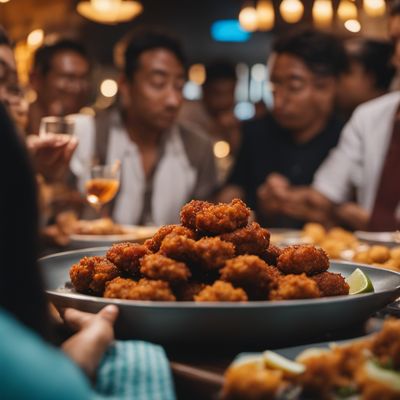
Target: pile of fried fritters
<point x="216" y="254"/>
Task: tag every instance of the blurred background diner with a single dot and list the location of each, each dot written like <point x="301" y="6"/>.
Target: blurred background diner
<point x="208" y="100"/>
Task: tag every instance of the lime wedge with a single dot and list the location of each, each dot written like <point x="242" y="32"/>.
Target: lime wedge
<point x="359" y="282"/>
<point x="386" y="377"/>
<point x="276" y="361"/>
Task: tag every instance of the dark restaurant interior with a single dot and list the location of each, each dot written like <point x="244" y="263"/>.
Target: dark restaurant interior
<point x="200" y="199"/>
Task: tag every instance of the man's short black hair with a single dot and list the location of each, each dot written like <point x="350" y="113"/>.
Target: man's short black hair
<point x="143" y="40"/>
<point x="220" y="70"/>
<point x="44" y="55"/>
<point x="394" y="8"/>
<point x="375" y="56"/>
<point x="323" y="53"/>
<point x="4" y="39"/>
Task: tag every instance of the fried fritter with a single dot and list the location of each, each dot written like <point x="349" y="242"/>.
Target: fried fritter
<point x="221" y="291"/>
<point x="187" y="290"/>
<point x="91" y="274"/>
<point x="251" y="382"/>
<point x="157" y="266"/>
<point x="331" y="284"/>
<point x="126" y="256"/>
<point x="222" y="218"/>
<point x="190" y="210"/>
<point x="252" y="239"/>
<point x="143" y="290"/>
<point x="178" y="247"/>
<point x="270" y="255"/>
<point x="386" y="343"/>
<point x="303" y="258"/>
<point x="212" y="252"/>
<point x="119" y="288"/>
<point x="295" y="287"/>
<point x="154" y="243"/>
<point x="252" y="274"/>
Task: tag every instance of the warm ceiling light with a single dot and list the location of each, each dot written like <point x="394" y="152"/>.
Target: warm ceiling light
<point x="109" y="11"/>
<point x="322" y="12"/>
<point x="221" y="149"/>
<point x="291" y="10"/>
<point x="347" y="10"/>
<point x="248" y="18"/>
<point x="4" y="1"/>
<point x="352" y="25"/>
<point x="197" y="74"/>
<point x="375" y="8"/>
<point x="265" y="15"/>
<point x="35" y="38"/>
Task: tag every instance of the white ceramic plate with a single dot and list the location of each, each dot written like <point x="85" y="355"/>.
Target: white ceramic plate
<point x="133" y="232"/>
<point x="385" y="238"/>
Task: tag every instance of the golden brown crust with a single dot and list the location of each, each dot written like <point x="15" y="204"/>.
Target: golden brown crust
<point x="303" y="259"/>
<point x="251" y="382"/>
<point x="179" y="248"/>
<point x="143" y="290"/>
<point x="291" y="287"/>
<point x="222" y="218"/>
<point x="154" y="243"/>
<point x="331" y="284"/>
<point x="212" y="252"/>
<point x="190" y="210"/>
<point x="126" y="256"/>
<point x="221" y="291"/>
<point x="91" y="274"/>
<point x="252" y="239"/>
<point x="157" y="266"/>
<point x="252" y="274"/>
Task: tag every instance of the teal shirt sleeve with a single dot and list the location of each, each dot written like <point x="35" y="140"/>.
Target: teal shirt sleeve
<point x="32" y="369"/>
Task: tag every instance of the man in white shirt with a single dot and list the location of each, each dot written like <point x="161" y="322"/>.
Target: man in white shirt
<point x="163" y="165"/>
<point x="348" y="188"/>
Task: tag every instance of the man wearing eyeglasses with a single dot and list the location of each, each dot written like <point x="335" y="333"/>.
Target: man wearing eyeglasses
<point x="287" y="146"/>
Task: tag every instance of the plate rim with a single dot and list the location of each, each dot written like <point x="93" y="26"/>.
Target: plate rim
<point x="224" y="305"/>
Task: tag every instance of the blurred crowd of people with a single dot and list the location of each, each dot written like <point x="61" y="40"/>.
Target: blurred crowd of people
<point x="319" y="154"/>
<point x="328" y="151"/>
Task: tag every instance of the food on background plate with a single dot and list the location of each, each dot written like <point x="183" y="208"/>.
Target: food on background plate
<point x="341" y="244"/>
<point x="367" y="369"/>
<point x="214" y="255"/>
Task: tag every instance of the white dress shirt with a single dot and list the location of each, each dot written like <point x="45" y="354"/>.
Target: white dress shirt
<point x="173" y="182"/>
<point x="357" y="161"/>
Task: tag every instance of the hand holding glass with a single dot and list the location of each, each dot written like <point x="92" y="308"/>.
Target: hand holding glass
<point x="56" y="125"/>
<point x="102" y="185"/>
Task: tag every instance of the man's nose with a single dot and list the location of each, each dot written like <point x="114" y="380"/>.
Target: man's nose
<point x="174" y="97"/>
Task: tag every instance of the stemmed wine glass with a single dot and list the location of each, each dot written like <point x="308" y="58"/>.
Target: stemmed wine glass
<point x="102" y="184"/>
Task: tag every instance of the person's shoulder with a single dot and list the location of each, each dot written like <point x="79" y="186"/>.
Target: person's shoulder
<point x="379" y="106"/>
<point x="194" y="135"/>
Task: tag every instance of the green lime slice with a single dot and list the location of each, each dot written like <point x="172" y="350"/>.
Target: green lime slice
<point x="359" y="282"/>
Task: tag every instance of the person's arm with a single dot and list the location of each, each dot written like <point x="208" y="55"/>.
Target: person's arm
<point x="352" y="216"/>
<point x="271" y="195"/>
<point x="94" y="333"/>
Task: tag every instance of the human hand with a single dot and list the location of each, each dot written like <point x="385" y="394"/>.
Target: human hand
<point x="352" y="215"/>
<point x="94" y="333"/>
<point x="51" y="154"/>
<point x="272" y="193"/>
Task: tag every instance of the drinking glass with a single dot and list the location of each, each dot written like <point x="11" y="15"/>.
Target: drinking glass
<point x="102" y="184"/>
<point x="56" y="125"/>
